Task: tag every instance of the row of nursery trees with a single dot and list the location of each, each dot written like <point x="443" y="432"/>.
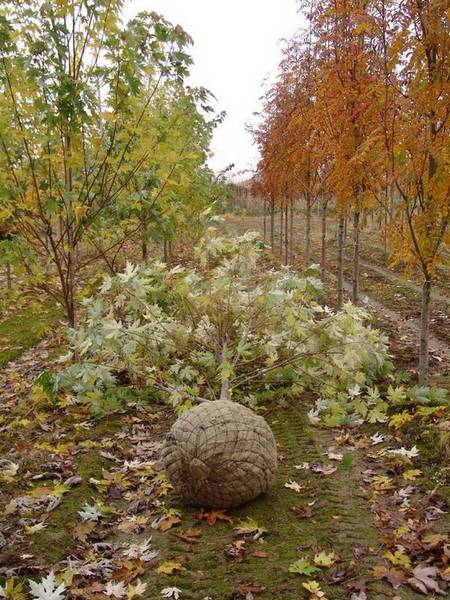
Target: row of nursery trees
<point x="358" y="122"/>
<point x="103" y="145"/>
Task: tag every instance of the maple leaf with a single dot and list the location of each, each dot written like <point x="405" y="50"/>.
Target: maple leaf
<point x="170" y="567"/>
<point x="12" y="590"/>
<point x="411" y="474"/>
<point x="293" y="485"/>
<point x="399" y="558"/>
<point x="80" y="531"/>
<point x="377" y="438"/>
<point x="32" y="529"/>
<point x="302" y="566"/>
<point x="141" y="551"/>
<point x="322" y="559"/>
<point x="250" y="526"/>
<point x="168" y="522"/>
<point x="137" y="589"/>
<point x="90" y="513"/>
<point x="213" y="516"/>
<point x="117" y="590"/>
<point x="424" y="580"/>
<point x="192" y="536"/>
<point x="314" y="589"/>
<point x="396" y="578"/>
<point x="47" y="588"/>
<point x="171" y="592"/>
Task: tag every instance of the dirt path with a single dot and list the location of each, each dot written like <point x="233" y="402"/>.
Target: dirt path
<point x="396" y="278"/>
<point x="407" y="328"/>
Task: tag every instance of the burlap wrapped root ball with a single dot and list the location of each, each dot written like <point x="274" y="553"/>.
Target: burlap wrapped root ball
<point x="220" y="454"/>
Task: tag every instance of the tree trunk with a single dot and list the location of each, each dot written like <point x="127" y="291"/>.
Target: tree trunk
<point x="424" y="332"/>
<point x="356" y="220"/>
<point x="8" y="276"/>
<point x="144" y="245"/>
<point x="323" y="256"/>
<point x="272" y="225"/>
<point x="340" y="286"/>
<point x="281" y="231"/>
<point x="264" y="219"/>
<point x="286" y="235"/>
<point x="308" y="231"/>
<point x="291" y="232"/>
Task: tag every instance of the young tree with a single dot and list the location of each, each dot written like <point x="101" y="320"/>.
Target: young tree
<point x="77" y="86"/>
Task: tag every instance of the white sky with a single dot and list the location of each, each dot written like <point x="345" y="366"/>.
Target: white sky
<point x="237" y="44"/>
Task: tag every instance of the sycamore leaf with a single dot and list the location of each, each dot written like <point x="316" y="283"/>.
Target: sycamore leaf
<point x="302" y="566"/>
<point x="47" y="588"/>
<point x="170" y="567"/>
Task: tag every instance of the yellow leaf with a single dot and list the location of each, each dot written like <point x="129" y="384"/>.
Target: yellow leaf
<point x="322" y="559"/>
<point x="399" y="558"/>
<point x="397" y="421"/>
<point x="411" y="474"/>
<point x="169" y="568"/>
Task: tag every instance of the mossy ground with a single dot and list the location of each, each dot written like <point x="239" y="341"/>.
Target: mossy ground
<point x="22" y="330"/>
<point x="340" y="521"/>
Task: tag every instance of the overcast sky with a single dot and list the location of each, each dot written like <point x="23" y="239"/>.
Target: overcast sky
<point x="237" y="44"/>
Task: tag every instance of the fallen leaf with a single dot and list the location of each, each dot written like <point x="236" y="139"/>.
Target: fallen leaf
<point x="302" y="566"/>
<point x="395" y="577"/>
<point x="213" y="516"/>
<point x="293" y="485"/>
<point x="170" y="567"/>
<point x="250" y="527"/>
<point x="192" y="536"/>
<point x="302" y="511"/>
<point x="322" y="559"/>
<point x="260" y="554"/>
<point x="80" y="531"/>
<point x="398" y="558"/>
<point x="168" y="522"/>
<point x="424" y="580"/>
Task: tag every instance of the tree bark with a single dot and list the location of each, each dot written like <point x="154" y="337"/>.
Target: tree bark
<point x="291" y="233"/>
<point x="323" y="255"/>
<point x="281" y="231"/>
<point x="264" y="219"/>
<point x="308" y="230"/>
<point x="424" y="332"/>
<point x="356" y="242"/>
<point x="8" y="276"/>
<point x="340" y="286"/>
<point x="286" y="235"/>
<point x="272" y="224"/>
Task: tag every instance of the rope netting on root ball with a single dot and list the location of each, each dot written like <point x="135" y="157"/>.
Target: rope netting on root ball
<point x="220" y="454"/>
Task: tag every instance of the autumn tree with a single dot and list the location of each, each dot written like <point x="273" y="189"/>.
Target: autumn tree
<point x="77" y="89"/>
